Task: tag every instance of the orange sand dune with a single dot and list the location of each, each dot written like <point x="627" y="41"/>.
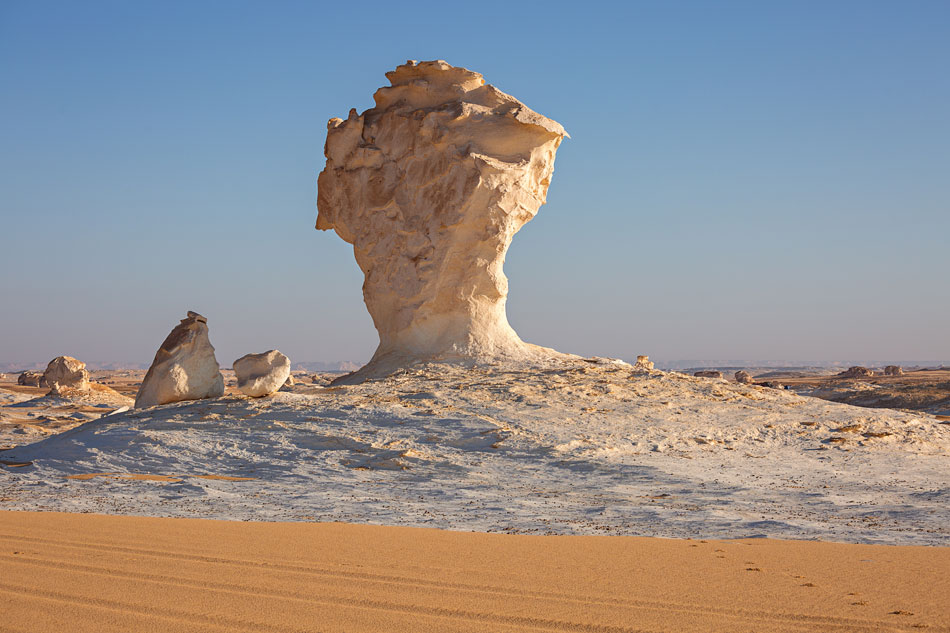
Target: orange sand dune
<point x="76" y="572"/>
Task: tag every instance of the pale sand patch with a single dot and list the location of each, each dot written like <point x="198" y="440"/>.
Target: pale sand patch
<point x="81" y="572"/>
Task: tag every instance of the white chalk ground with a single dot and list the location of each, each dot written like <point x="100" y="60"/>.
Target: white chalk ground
<point x="578" y="447"/>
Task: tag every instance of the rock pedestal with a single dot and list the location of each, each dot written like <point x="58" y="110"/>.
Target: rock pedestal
<point x="430" y="186"/>
<point x="262" y="374"/>
<point x="643" y="363"/>
<point x="184" y="367"/>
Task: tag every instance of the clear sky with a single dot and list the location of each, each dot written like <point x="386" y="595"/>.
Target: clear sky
<point x="758" y="180"/>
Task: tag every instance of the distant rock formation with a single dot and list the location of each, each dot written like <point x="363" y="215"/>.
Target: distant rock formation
<point x="744" y="377"/>
<point x="855" y="372"/>
<point x="893" y="370"/>
<point x="31" y="379"/>
<point x="708" y="373"/>
<point x="430" y="186"/>
<point x="184" y="367"/>
<point x="643" y="364"/>
<point x="68" y="372"/>
<point x="262" y="374"/>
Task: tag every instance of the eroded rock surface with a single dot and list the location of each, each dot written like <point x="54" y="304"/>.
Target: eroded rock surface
<point x="66" y="371"/>
<point x="856" y="372"/>
<point x="893" y="370"/>
<point x="708" y="373"/>
<point x="643" y="363"/>
<point x="184" y="367"/>
<point x="262" y="374"/>
<point x="744" y="377"/>
<point x="31" y="379"/>
<point x="430" y="186"/>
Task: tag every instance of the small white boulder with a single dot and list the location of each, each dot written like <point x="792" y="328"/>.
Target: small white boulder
<point x="261" y="374"/>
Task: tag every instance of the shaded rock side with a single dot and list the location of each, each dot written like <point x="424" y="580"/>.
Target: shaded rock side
<point x="262" y="374"/>
<point x="430" y="186"/>
<point x="68" y="372"/>
<point x="708" y="373"/>
<point x="184" y="367"/>
<point x="31" y="379"/>
<point x="893" y="370"/>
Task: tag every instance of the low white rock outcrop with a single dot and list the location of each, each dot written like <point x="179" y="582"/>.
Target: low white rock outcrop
<point x="184" y="367"/>
<point x="430" y="186"/>
<point x="262" y="374"/>
<point x="31" y="379"/>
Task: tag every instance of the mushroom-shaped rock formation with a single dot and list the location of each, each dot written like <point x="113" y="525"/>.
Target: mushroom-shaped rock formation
<point x="184" y="367"/>
<point x="66" y="371"/>
<point x="643" y="364"/>
<point x="261" y="374"/>
<point x="430" y="186"/>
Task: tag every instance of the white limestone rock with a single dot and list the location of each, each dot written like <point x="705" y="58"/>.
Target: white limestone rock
<point x="31" y="379"/>
<point x="855" y="372"/>
<point x="744" y="377"/>
<point x="184" y="367"/>
<point x="430" y="186"/>
<point x="66" y="371"/>
<point x="643" y="364"/>
<point x="262" y="374"/>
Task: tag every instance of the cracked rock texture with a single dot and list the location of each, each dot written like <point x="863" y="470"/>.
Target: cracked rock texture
<point x="430" y="186"/>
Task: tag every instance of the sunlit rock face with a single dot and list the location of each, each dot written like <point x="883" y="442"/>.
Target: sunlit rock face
<point x="184" y="367"/>
<point x="66" y="371"/>
<point x="430" y="186"/>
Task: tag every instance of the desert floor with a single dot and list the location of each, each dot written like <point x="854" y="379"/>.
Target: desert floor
<point x="84" y="572"/>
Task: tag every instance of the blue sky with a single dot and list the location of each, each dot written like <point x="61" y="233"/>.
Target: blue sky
<point x="755" y="180"/>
